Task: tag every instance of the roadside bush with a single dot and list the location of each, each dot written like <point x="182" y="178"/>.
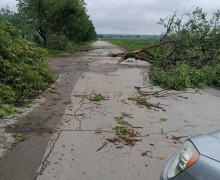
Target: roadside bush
<point x="7" y="94"/>
<point x="57" y="42"/>
<point x="6" y="109"/>
<point x="24" y="72"/>
<point x="71" y="47"/>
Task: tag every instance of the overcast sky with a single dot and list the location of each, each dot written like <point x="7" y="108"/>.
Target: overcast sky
<point x="134" y="16"/>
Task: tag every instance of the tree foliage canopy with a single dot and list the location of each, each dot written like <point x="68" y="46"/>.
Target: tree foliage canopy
<point x="17" y="21"/>
<point x="58" y="17"/>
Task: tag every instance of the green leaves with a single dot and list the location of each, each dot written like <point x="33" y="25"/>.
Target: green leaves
<point x="189" y="51"/>
<point x="182" y="76"/>
<point x="65" y="19"/>
<point x="6" y="109"/>
<point x="57" y="42"/>
<point x="18" y="21"/>
<point x="7" y="94"/>
<point x="14" y="47"/>
<point x="23" y="69"/>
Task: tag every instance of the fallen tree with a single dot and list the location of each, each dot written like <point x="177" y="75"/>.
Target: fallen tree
<point x="187" y="54"/>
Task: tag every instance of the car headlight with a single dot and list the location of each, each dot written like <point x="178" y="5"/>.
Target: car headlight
<point x="185" y="158"/>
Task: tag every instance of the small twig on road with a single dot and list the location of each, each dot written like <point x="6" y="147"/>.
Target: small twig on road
<point x="143" y="101"/>
<point x="146" y="154"/>
<point x="103" y="145"/>
<point x="160" y="93"/>
<point x="137" y="127"/>
<point x="177" y="138"/>
<point x="162" y="132"/>
<point x="87" y="130"/>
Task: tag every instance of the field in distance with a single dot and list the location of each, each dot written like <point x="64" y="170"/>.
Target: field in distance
<point x="132" y="44"/>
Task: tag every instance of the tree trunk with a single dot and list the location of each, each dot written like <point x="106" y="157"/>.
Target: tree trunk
<point x="43" y="35"/>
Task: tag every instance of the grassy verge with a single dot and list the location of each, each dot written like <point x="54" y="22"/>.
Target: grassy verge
<point x="132" y="44"/>
<point x="71" y="49"/>
<point x="55" y="53"/>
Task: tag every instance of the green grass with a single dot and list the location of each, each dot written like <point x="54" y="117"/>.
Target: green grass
<point x="55" y="53"/>
<point x="71" y="49"/>
<point x="80" y="46"/>
<point x="132" y="44"/>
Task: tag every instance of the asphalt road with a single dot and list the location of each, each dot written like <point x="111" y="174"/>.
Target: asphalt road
<point x="69" y="136"/>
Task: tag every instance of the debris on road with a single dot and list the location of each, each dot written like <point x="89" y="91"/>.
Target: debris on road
<point x="97" y="97"/>
<point x="120" y="120"/>
<point x="125" y="134"/>
<point x="177" y="139"/>
<point x="123" y="141"/>
<point x="160" y="93"/>
<point x="103" y="145"/>
<point x="126" y="115"/>
<point x="146" y="153"/>
<point x="144" y="102"/>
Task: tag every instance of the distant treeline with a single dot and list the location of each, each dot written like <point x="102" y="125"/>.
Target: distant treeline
<point x="132" y="36"/>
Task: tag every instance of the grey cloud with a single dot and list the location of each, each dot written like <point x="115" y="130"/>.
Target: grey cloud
<point x="134" y="16"/>
<point x="139" y="16"/>
<point x="11" y="3"/>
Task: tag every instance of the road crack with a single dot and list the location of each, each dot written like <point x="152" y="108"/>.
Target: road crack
<point x="45" y="161"/>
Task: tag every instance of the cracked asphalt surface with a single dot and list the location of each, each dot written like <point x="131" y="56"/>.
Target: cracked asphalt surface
<point x="68" y="136"/>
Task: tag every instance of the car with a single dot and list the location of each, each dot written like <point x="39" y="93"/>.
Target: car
<point x="197" y="159"/>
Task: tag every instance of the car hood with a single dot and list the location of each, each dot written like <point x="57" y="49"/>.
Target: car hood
<point x="208" y="145"/>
